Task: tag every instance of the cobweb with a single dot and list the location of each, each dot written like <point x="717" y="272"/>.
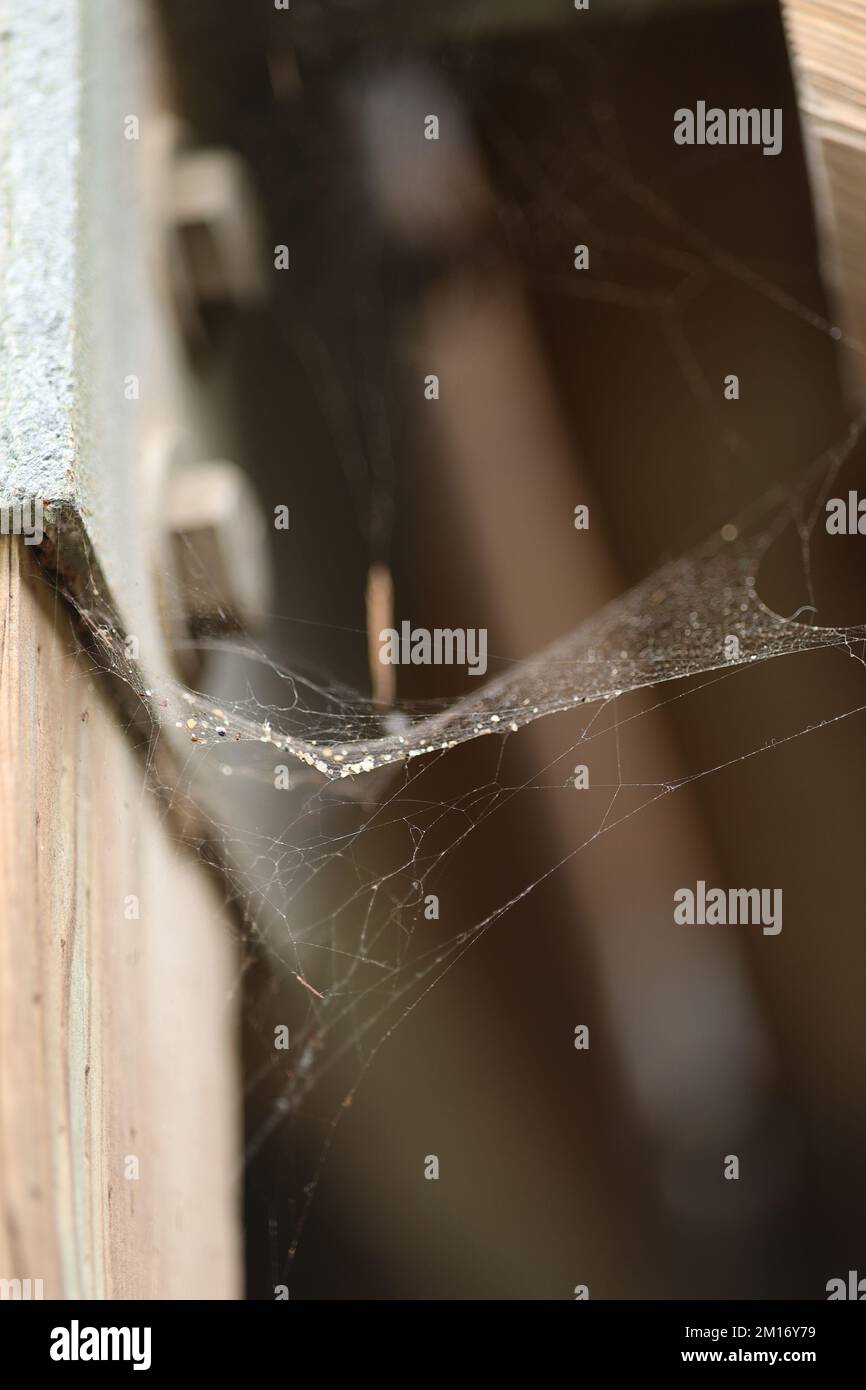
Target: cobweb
<point x="679" y="622"/>
<point x="336" y="924"/>
<point x="358" y="964"/>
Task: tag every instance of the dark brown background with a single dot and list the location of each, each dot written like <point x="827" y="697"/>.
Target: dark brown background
<point x="550" y="1175"/>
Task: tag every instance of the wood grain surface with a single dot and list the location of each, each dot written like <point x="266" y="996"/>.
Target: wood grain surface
<point x="117" y="1034"/>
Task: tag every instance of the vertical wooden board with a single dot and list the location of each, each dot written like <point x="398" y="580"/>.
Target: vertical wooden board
<point x="117" y="1035"/>
<point x="827" y="41"/>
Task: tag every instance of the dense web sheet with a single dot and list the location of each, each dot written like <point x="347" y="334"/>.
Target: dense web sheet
<point x="695" y="615"/>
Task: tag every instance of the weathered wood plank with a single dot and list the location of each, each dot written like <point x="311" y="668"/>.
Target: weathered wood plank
<point x="117" y="1034"/>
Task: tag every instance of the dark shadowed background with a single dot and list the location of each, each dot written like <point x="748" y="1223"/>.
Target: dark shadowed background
<point x="558" y="1167"/>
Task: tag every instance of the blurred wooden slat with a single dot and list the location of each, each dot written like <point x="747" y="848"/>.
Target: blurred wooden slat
<point x="827" y="39"/>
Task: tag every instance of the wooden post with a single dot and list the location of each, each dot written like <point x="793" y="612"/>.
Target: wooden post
<point x="119" y="1112"/>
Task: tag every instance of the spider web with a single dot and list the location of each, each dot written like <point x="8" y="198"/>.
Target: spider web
<point x="342" y="928"/>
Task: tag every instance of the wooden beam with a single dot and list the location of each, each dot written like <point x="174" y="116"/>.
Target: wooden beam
<point x="119" y="1111"/>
